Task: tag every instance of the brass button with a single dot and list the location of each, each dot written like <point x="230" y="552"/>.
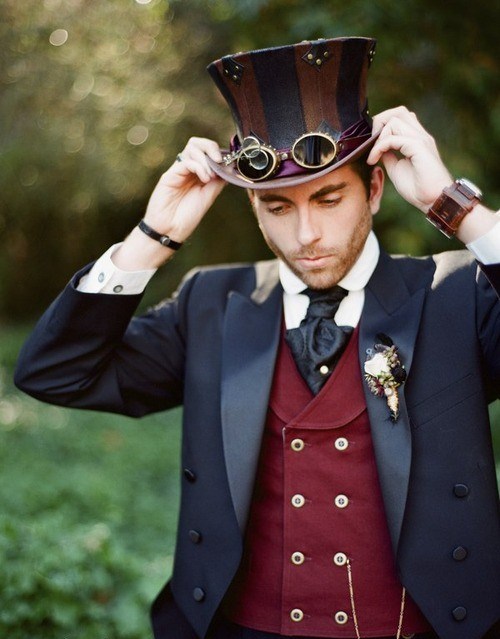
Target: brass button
<point x="298" y="501"/>
<point x="408" y="636"/>
<point x="296" y="614"/>
<point x="340" y="559"/>
<point x="297" y="444"/>
<point x="341" y="443"/>
<point x="298" y="558"/>
<point x="324" y="370"/>
<point x="341" y="501"/>
<point x="341" y="617"/>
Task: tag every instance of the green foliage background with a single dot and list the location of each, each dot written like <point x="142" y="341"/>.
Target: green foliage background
<point x="96" y="99"/>
<point x="88" y="123"/>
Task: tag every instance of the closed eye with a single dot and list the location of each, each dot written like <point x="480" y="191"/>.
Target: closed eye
<point x="329" y="201"/>
<point x="279" y="209"/>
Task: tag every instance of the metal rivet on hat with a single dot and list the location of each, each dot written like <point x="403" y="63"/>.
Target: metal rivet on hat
<point x="317" y="54"/>
<point x="371" y="54"/>
<point x="232" y="69"/>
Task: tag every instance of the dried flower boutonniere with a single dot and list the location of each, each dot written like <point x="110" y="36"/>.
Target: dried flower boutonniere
<point x="384" y="372"/>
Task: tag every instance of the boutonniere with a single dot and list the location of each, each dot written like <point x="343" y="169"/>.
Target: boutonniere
<point x="384" y="372"/>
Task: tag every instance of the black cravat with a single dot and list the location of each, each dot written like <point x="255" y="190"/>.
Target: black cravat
<point x="318" y="342"/>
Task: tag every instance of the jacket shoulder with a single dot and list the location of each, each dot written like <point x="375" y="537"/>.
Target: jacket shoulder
<point x="435" y="268"/>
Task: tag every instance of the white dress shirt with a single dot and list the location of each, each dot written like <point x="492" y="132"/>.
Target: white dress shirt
<point x="295" y="303"/>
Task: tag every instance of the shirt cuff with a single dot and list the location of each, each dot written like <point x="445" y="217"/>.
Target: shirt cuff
<point x="486" y="249"/>
<point x="105" y="277"/>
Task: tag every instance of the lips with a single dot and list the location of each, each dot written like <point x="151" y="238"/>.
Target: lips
<point x="318" y="261"/>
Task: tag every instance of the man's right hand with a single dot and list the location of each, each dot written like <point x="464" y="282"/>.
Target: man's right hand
<point x="177" y="205"/>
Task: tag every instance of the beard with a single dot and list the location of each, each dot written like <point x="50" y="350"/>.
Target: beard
<point x="341" y="259"/>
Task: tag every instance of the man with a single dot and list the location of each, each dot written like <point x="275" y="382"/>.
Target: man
<point x="338" y="477"/>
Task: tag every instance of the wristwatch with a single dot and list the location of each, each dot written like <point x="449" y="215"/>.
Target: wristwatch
<point x="452" y="206"/>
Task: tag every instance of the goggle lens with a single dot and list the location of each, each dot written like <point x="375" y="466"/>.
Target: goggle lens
<point x="314" y="150"/>
<point x="255" y="161"/>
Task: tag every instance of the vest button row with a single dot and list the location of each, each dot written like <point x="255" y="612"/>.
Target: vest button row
<point x="297" y="444"/>
<point x="298" y="558"/>
<point x="296" y="614"/>
<point x="298" y="501"/>
<point x="340" y="617"/>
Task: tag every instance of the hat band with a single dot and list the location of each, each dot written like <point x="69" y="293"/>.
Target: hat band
<point x="256" y="161"/>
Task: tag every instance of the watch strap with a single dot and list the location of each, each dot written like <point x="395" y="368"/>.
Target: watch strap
<point x="450" y="208"/>
<point x="164" y="240"/>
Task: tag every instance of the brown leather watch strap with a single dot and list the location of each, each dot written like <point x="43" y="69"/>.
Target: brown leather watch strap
<point x="452" y="206"/>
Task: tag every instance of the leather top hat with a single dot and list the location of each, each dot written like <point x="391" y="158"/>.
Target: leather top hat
<point x="300" y="111"/>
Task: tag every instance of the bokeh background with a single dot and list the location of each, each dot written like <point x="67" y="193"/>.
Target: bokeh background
<point x="96" y="99"/>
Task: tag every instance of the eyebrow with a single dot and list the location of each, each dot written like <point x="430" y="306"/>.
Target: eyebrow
<point x="326" y="190"/>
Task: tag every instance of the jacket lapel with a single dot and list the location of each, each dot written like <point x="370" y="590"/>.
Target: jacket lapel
<point x="389" y="308"/>
<point x="250" y="343"/>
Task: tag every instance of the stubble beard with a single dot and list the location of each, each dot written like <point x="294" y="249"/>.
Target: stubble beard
<point x="341" y="261"/>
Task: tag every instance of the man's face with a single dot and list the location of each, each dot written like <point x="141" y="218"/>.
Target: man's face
<point x="319" y="228"/>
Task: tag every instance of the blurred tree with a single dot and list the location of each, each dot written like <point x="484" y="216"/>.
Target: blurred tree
<point x="97" y="99"/>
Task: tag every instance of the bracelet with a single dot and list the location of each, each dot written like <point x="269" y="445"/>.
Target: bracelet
<point x="164" y="240"/>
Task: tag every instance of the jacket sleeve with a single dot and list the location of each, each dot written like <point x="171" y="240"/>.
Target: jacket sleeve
<point x="87" y="351"/>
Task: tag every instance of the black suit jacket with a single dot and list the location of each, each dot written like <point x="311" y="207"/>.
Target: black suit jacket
<point x="213" y="347"/>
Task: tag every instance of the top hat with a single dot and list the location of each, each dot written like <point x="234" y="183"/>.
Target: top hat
<point x="300" y="111"/>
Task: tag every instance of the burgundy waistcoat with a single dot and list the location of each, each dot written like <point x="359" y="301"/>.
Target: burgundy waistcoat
<point x="317" y="503"/>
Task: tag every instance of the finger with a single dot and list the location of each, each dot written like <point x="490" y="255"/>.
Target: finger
<point x="201" y="169"/>
<point x="401" y="112"/>
<point x="402" y="143"/>
<point x="206" y="146"/>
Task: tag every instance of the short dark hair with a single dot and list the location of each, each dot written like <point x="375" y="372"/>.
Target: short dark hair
<point x="364" y="171"/>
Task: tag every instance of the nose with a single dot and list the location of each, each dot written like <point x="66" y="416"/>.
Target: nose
<point x="308" y="229"/>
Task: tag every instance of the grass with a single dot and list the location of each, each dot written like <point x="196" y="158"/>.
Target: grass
<point x="67" y="475"/>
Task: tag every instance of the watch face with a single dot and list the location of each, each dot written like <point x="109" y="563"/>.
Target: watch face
<point x="471" y="187"/>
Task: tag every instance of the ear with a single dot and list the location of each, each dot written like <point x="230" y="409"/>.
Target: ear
<point x="376" y="189"/>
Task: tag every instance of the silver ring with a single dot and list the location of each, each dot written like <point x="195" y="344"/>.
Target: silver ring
<point x="178" y="158"/>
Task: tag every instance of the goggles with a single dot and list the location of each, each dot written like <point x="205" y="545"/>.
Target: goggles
<point x="257" y="161"/>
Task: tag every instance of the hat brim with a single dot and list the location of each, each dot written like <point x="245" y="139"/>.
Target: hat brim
<point x="231" y="175"/>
